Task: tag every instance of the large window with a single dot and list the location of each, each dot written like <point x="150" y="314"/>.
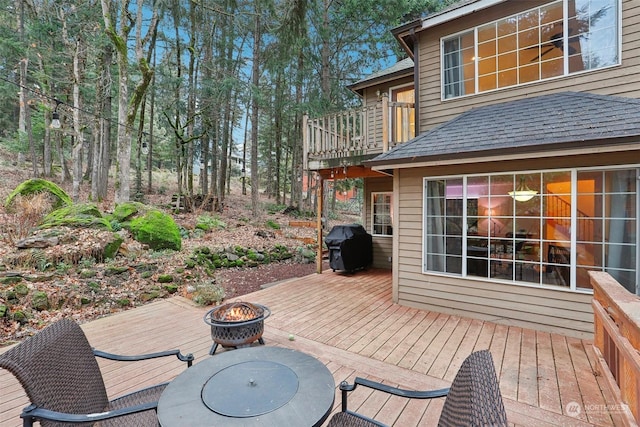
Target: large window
<point x="532" y="46"/>
<point x="545" y="228"/>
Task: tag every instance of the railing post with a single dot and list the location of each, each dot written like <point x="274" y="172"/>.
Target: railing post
<point x="617" y="336"/>
<point x="320" y="207"/>
<point x="385" y="123"/>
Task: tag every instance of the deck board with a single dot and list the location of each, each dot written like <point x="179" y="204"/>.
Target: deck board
<point x="350" y="323"/>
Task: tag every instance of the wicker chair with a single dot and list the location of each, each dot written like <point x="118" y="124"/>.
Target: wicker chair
<point x="58" y="370"/>
<point x="474" y="398"/>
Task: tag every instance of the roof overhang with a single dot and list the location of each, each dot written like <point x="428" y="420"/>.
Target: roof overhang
<point x="405" y="33"/>
<point x="594" y="147"/>
<point x="359" y="87"/>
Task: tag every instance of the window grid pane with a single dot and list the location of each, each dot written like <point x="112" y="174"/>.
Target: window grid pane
<point x="531" y="240"/>
<point x="382" y="215"/>
<point x="531" y="46"/>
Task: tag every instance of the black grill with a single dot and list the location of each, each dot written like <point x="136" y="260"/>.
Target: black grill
<point x="350" y="247"/>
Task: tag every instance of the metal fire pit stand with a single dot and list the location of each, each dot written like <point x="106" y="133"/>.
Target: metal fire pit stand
<point x="236" y="333"/>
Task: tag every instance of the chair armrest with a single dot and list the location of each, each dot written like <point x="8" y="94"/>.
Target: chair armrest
<point x="184" y="358"/>
<point x="345" y="387"/>
<point x="32" y="412"/>
<point x="410" y="394"/>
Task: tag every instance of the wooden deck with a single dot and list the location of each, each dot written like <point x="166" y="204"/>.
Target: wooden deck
<point x="350" y="323"/>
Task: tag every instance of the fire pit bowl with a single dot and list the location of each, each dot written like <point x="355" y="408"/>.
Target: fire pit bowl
<point x="236" y="324"/>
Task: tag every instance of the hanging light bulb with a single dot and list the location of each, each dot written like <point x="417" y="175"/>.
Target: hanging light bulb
<point x="55" y="117"/>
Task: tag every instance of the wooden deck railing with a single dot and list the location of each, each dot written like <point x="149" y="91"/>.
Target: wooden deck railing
<point x="359" y="132"/>
<point x="617" y="335"/>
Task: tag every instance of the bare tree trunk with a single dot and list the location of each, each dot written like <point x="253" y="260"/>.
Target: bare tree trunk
<point x="325" y="53"/>
<point x="244" y="156"/>
<point x="25" y="117"/>
<point x="141" y="140"/>
<point x="65" y="175"/>
<point x="79" y="137"/>
<point x="149" y="156"/>
<point x="298" y="168"/>
<point x="128" y="108"/>
<point x="46" y="148"/>
<point x="255" y="77"/>
<point x="277" y="119"/>
<point x="47" y="159"/>
<point x="102" y="133"/>
<point x="192" y="78"/>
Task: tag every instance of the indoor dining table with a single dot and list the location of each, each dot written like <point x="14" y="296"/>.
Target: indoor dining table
<point x="254" y="386"/>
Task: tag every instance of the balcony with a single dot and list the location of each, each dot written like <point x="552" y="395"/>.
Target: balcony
<point x="349" y="138"/>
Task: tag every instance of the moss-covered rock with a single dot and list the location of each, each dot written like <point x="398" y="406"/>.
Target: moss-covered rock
<point x="112" y="247"/>
<point x="115" y="270"/>
<point x="87" y="273"/>
<point x="165" y="278"/>
<point x="21" y="289"/>
<point x="124" y="212"/>
<point x="3" y="310"/>
<point x="40" y="301"/>
<point x="20" y="317"/>
<point x="124" y="302"/>
<point x="80" y="215"/>
<point x="171" y="288"/>
<point x="34" y="186"/>
<point x="148" y="296"/>
<point x="156" y="229"/>
<point x="10" y="280"/>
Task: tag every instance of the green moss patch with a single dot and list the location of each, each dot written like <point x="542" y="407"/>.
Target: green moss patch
<point x="80" y="215"/>
<point x="156" y="229"/>
<point x="34" y="186"/>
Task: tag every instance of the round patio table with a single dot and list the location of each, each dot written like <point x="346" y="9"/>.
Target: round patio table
<point x="255" y="386"/>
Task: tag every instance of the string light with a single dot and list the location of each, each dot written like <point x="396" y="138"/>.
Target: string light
<point x="55" y="116"/>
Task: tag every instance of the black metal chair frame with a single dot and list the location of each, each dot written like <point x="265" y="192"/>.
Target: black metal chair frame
<point x="345" y="388"/>
<point x="473" y="399"/>
<point x="28" y="362"/>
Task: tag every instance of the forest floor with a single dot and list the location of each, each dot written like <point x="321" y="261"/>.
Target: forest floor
<point x="242" y="228"/>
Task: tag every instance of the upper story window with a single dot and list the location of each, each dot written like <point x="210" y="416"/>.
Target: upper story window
<point x="532" y="46"/>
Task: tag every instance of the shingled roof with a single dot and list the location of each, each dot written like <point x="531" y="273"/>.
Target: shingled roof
<point x="399" y="69"/>
<point x="545" y="122"/>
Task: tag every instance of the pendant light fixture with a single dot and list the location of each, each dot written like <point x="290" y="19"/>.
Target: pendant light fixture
<point x="522" y="193"/>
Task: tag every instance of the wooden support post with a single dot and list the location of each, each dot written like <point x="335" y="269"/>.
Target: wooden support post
<point x="305" y="142"/>
<point x="320" y="195"/>
<point x="385" y="123"/>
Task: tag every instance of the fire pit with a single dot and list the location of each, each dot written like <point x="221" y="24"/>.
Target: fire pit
<point x="236" y="324"/>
